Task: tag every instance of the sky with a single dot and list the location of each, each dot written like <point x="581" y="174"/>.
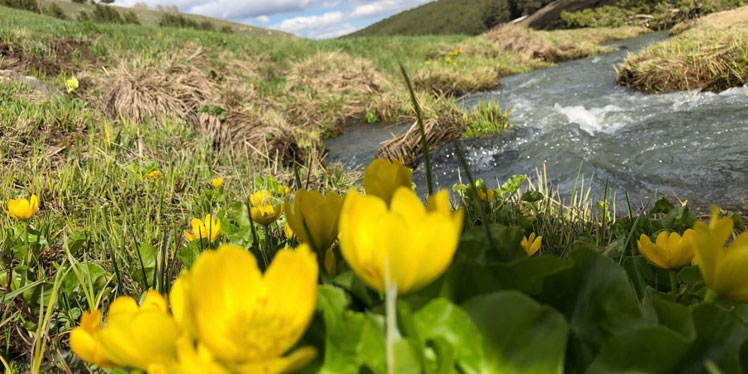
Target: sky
<point x="318" y="19"/>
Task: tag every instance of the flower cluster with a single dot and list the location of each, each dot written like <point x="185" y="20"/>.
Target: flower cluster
<point x="451" y="58"/>
<point x="222" y="316"/>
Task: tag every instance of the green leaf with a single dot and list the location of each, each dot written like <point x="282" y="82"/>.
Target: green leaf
<point x="352" y="340"/>
<point x="643" y="275"/>
<point x="532" y="196"/>
<point x="528" y="274"/>
<point x="462" y="281"/>
<point x="661" y="206"/>
<point x="512" y="184"/>
<point x="519" y="335"/>
<point x="667" y="313"/>
<point x="441" y="320"/>
<point x="474" y="244"/>
<point x="597" y="300"/>
<point x="718" y="340"/>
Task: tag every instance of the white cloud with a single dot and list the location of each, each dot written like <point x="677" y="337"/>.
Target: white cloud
<point x="263" y="20"/>
<point x="336" y="31"/>
<point x="330" y="4"/>
<point x="231" y="9"/>
<point x="311" y="23"/>
<point x="384" y="7"/>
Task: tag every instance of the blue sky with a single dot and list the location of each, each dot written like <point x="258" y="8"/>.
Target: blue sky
<point x="307" y="18"/>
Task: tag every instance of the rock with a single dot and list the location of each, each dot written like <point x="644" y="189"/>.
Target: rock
<point x="35" y="84"/>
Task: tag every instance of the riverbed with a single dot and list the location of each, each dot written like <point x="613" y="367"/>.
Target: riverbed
<point x="574" y="120"/>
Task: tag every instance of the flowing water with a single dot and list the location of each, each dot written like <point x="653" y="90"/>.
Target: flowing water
<point x="575" y="119"/>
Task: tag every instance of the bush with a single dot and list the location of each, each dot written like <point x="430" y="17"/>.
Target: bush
<point x="226" y="29"/>
<point x="107" y="14"/>
<point x="657" y="15"/>
<point x="606" y="16"/>
<point x="180" y="21"/>
<point x="130" y="17"/>
<point x="30" y="5"/>
<point x="54" y="10"/>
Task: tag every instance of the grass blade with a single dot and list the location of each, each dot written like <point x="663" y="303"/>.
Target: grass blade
<point x="422" y="129"/>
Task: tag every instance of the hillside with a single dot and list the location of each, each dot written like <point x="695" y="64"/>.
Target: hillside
<point x="440" y="17"/>
<point x="151" y="17"/>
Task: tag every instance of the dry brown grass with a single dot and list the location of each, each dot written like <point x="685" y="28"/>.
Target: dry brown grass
<point x="443" y="123"/>
<point x="712" y="54"/>
<point x="328" y="89"/>
<point x="557" y="46"/>
<point x="449" y="80"/>
<point x="175" y="87"/>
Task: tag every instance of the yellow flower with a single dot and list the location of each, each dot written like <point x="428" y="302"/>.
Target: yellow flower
<point x="208" y="229"/>
<point x="382" y="178"/>
<point x="262" y="209"/>
<point x="71" y="84"/>
<point x="153" y="175"/>
<point x="143" y="337"/>
<point x="319" y="214"/>
<point x="723" y="268"/>
<point x="23" y="209"/>
<point x="83" y="341"/>
<point x="531" y="244"/>
<point x="669" y="251"/>
<point x="284" y="190"/>
<point x="249" y="320"/>
<point x="217" y="182"/>
<point x="192" y="359"/>
<point x="428" y="62"/>
<point x="489" y="195"/>
<point x="448" y="59"/>
<point x="416" y="243"/>
<point x="287" y="231"/>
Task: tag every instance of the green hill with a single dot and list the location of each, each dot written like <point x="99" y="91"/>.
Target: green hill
<point x="469" y="17"/>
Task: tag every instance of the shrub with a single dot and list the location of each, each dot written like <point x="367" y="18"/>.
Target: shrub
<point x="107" y="14"/>
<point x="30" y="5"/>
<point x="226" y="29"/>
<point x="180" y="21"/>
<point x="130" y="17"/>
<point x="54" y="10"/>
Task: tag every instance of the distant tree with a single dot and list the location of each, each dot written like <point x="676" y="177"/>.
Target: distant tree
<point x="30" y="5"/>
<point x="130" y="17"/>
<point x="496" y="12"/>
<point x="106" y="1"/>
<point x="54" y="10"/>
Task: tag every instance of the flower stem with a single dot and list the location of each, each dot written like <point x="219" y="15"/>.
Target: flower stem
<point x="268" y="245"/>
<point x="390" y="300"/>
<point x="710" y="296"/>
<point x="673" y="283"/>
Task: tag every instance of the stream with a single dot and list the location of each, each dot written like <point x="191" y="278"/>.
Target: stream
<point x="576" y="121"/>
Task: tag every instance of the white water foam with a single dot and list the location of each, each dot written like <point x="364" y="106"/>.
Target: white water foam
<point x="592" y="120"/>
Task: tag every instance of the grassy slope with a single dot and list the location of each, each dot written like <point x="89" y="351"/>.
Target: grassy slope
<point x="436" y="18"/>
<point x="149" y="17"/>
<point x="87" y="164"/>
<point x="710" y="53"/>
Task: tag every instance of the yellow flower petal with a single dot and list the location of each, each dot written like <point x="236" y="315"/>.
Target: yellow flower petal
<point x="382" y="178"/>
<point x="408" y="242"/>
